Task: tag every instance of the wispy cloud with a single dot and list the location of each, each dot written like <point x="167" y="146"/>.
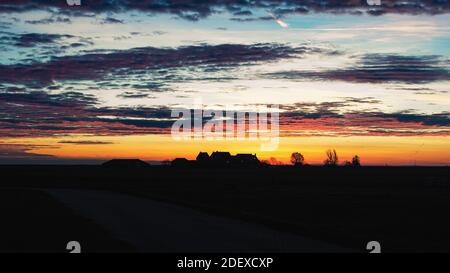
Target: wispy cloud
<point x="380" y="68"/>
<point x="136" y="60"/>
<point x="21" y="151"/>
<point x="25" y="116"/>
<point x="196" y="10"/>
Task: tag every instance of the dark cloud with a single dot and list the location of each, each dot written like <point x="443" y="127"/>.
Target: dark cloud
<point x="39" y="46"/>
<point x="339" y="109"/>
<point x="195" y="10"/>
<point x="85" y="142"/>
<point x="68" y="99"/>
<point x="378" y="68"/>
<point x="334" y="118"/>
<point x="5" y="25"/>
<point x="329" y="106"/>
<point x="159" y="32"/>
<point x="138" y="61"/>
<point x="323" y="123"/>
<point x="120" y="38"/>
<point x="365" y="100"/>
<point x="301" y="10"/>
<point x="75" y="45"/>
<point x="10" y="89"/>
<point x="134" y="95"/>
<point x="51" y="20"/>
<point x="243" y="13"/>
<point x="251" y="19"/>
<point x="21" y="151"/>
<point x="33" y="39"/>
<point x="334" y="109"/>
<point x="136" y="112"/>
<point x="39" y="115"/>
<point x="439" y="119"/>
<point x="111" y="20"/>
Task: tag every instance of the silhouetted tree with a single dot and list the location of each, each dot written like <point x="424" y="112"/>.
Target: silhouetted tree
<point x="274" y="161"/>
<point x="356" y="162"/>
<point x="297" y="159"/>
<point x="265" y="163"/>
<point x="332" y="158"/>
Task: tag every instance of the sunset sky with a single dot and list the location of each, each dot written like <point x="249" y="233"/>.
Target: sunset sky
<point x="98" y="81"/>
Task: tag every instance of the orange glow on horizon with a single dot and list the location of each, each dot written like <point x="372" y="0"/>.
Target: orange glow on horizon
<point x="373" y="150"/>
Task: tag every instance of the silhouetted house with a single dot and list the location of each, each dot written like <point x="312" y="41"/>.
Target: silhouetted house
<point x="181" y="162"/>
<point x="245" y="160"/>
<point x="202" y="158"/>
<point x="220" y="159"/>
<point x="125" y="163"/>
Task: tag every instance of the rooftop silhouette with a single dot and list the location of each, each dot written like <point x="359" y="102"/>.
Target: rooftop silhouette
<point x="125" y="163"/>
<point x="218" y="159"/>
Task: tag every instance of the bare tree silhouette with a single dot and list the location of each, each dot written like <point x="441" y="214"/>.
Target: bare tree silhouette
<point x="271" y="162"/>
<point x="332" y="158"/>
<point x="274" y="161"/>
<point x="297" y="159"/>
<point x="356" y="161"/>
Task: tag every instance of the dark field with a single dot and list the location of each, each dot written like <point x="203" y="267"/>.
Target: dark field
<point x="32" y="221"/>
<point x="404" y="208"/>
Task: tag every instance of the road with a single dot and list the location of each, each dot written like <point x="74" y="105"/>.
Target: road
<point x="152" y="226"/>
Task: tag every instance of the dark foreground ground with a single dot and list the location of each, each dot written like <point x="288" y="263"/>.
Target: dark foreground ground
<point x="404" y="208"/>
<point x="32" y="221"/>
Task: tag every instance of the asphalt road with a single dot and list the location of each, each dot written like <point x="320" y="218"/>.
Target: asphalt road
<point x="152" y="226"/>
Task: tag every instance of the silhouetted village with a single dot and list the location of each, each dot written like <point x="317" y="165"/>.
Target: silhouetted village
<point x="225" y="159"/>
<point x="218" y="159"/>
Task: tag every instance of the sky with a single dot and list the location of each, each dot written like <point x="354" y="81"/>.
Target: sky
<point x="83" y="84"/>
